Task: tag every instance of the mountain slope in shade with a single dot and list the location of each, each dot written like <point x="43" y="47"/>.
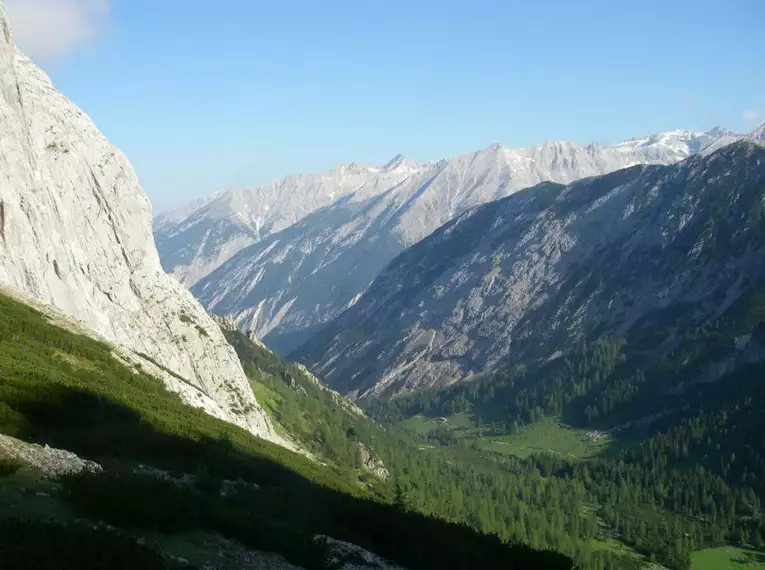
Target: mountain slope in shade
<point x="291" y="283"/>
<point x="531" y="275"/>
<point x="75" y="234"/>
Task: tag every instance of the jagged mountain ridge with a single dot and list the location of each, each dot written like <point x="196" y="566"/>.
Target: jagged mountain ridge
<point x="199" y="237"/>
<point x="679" y="143"/>
<point x="291" y="283"/>
<point x="528" y="276"/>
<point x="759" y="133"/>
<point x="196" y="238"/>
<point x="75" y="235"/>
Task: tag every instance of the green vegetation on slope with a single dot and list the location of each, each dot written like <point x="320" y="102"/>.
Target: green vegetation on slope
<point x="685" y="477"/>
<point x="502" y="496"/>
<point x="91" y="404"/>
<point x="57" y="386"/>
<point x="9" y="466"/>
<point x="26" y="544"/>
<point x="728" y="558"/>
<point x="304" y="409"/>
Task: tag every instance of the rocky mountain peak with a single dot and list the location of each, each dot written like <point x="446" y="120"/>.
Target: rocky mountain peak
<point x="351" y="169"/>
<point x="400" y="163"/>
<point x="720" y="131"/>
<point x="291" y="283"/>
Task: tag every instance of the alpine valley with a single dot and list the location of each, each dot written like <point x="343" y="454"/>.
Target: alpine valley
<point x="591" y="315"/>
<point x="542" y="358"/>
<point x="649" y="254"/>
<point x="130" y="431"/>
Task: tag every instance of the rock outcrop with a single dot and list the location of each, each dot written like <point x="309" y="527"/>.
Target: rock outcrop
<point x="76" y="234"/>
<point x="48" y="461"/>
<point x="348" y="556"/>
<point x="228" y="324"/>
<point x="372" y="463"/>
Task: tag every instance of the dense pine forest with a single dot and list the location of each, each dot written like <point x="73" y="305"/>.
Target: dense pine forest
<point x="507" y="497"/>
<point x="684" y="470"/>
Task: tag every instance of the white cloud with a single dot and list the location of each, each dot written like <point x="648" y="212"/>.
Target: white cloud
<point x="47" y="30"/>
<point x="751" y="116"/>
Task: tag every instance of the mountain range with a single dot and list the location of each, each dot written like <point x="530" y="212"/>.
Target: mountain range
<point x="555" y="356"/>
<point x="308" y="257"/>
<point x="648" y="253"/>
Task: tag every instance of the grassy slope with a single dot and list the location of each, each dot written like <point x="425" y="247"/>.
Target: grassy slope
<point x="548" y="435"/>
<point x="68" y="391"/>
<point x="728" y="558"/>
<point x="306" y="411"/>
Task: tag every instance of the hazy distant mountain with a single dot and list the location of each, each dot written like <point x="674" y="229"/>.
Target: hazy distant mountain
<point x="199" y="237"/>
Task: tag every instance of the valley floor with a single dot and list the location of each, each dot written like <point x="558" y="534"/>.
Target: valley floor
<point x="551" y="435"/>
<point x="729" y="558"/>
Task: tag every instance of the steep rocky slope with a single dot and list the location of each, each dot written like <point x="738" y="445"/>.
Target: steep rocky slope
<point x="289" y="284"/>
<point x="528" y="276"/>
<point x="75" y="234"/>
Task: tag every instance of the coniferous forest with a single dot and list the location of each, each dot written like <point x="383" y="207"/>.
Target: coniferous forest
<point x="685" y="468"/>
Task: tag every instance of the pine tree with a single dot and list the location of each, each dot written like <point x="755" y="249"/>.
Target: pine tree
<point x="401" y="496"/>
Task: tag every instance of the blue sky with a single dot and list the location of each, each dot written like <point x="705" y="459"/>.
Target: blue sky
<point x="202" y="95"/>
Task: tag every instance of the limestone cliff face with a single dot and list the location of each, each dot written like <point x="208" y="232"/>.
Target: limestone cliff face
<point x="76" y="234"/>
